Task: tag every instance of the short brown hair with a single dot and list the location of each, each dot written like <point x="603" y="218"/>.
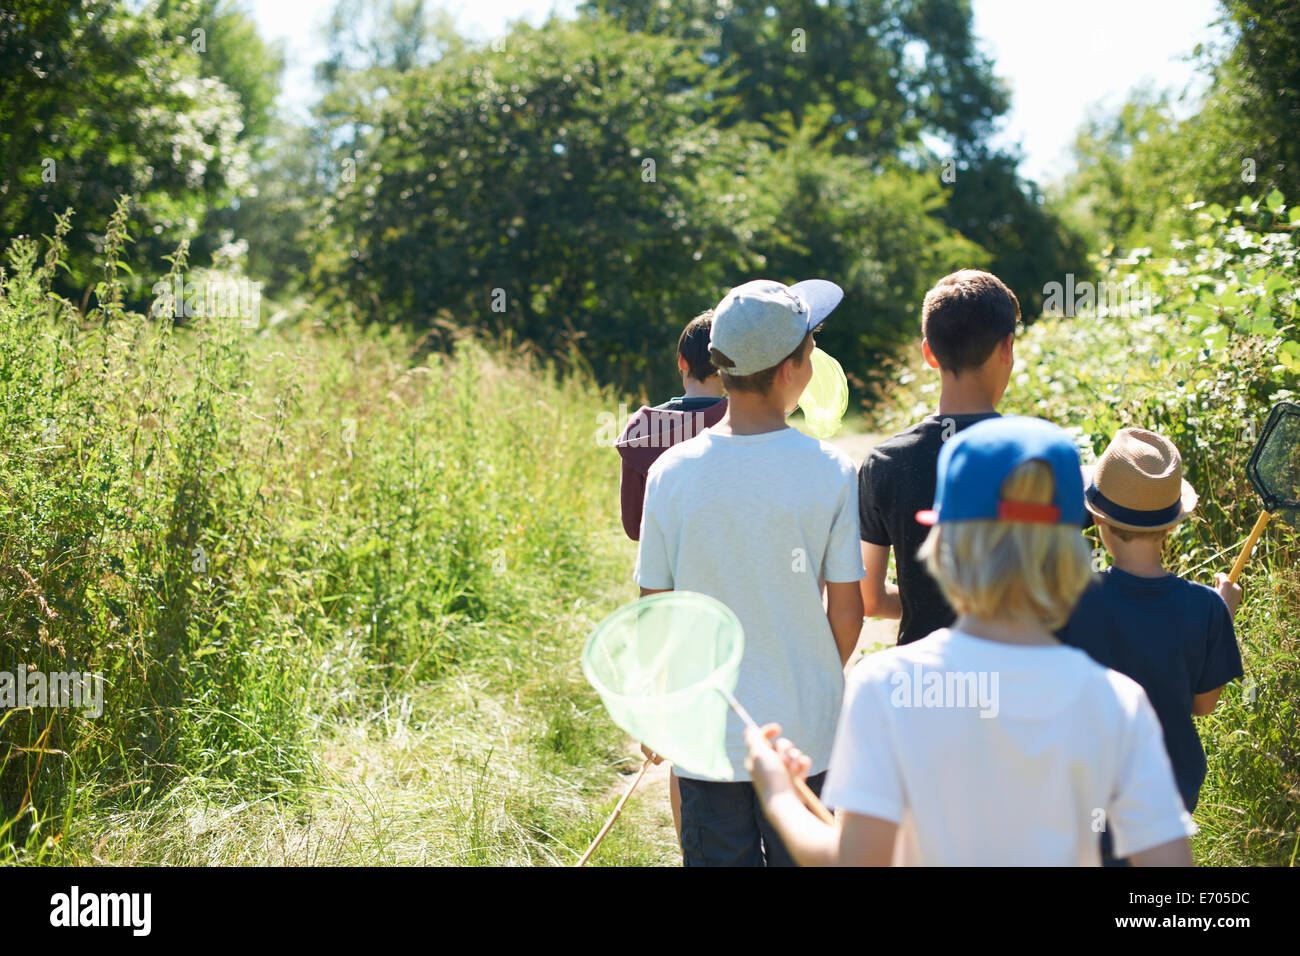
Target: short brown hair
<point x="694" y="346"/>
<point x="760" y="381"/>
<point x="965" y="316"/>
<point x="1124" y="534"/>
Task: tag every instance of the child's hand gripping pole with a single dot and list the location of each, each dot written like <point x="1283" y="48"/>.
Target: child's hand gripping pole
<point x="1242" y="558"/>
<point x="810" y="799"/>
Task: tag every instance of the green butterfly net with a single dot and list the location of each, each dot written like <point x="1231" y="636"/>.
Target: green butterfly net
<point x="665" y="667"/>
<point x="826" y="398"/>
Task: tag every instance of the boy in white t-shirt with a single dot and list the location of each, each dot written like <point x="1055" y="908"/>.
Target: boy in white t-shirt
<point x="990" y="742"/>
<point x="760" y="516"/>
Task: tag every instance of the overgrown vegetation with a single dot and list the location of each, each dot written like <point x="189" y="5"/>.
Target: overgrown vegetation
<point x="286" y="554"/>
<point x="336" y="572"/>
<point x="533" y="191"/>
<point x="165" y="100"/>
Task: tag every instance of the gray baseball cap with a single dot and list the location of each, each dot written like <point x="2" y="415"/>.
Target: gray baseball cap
<point x="758" y="324"/>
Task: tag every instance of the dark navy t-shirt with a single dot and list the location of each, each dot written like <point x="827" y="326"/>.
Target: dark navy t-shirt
<point x="1173" y="637"/>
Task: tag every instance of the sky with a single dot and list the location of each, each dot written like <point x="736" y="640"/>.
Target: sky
<point x="1060" y="58"/>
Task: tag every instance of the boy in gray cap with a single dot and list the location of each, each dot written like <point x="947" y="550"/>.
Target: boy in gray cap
<point x="760" y="516"/>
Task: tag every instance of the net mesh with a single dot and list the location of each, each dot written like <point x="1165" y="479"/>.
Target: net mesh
<point x="1274" y="466"/>
<point x="658" y="664"/>
<point x="826" y="398"/>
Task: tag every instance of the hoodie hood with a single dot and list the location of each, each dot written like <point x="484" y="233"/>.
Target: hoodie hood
<point x="652" y="431"/>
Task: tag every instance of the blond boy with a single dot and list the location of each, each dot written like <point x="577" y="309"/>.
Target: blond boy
<point x="1013" y="749"/>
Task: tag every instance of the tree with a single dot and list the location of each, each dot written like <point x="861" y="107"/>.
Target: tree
<point x="583" y="186"/>
<point x="878" y="231"/>
<point x="1028" y="242"/>
<point x="99" y="100"/>
<point x="890" y="69"/>
<point x="892" y="79"/>
<point x="1140" y="168"/>
<point x="1261" y="86"/>
<point x="547" y="192"/>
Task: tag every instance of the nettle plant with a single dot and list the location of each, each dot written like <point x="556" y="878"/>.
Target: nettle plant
<point x="1239" y="276"/>
<point x="1201" y="358"/>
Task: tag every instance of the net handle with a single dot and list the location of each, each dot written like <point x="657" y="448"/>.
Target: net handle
<point x="1242" y="558"/>
<point x="614" y="816"/>
<point x="810" y="799"/>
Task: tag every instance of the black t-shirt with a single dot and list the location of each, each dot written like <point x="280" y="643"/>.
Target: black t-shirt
<point x="1173" y="637"/>
<point x="895" y="482"/>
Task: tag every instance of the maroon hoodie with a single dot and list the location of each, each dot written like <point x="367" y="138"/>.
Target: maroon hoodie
<point x="649" y="433"/>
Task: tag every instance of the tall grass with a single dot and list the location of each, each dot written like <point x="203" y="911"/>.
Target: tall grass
<point x="335" y="585"/>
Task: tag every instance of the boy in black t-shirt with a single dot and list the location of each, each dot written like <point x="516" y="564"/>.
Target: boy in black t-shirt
<point x="968" y="324"/>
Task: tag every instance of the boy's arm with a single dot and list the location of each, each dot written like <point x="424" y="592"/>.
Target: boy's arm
<point x="841" y="569"/>
<point x="844" y="611"/>
<point x="879" y="597"/>
<point x="852" y="840"/>
<point x="810" y="841"/>
<point x="652" y="563"/>
<point x="1174" y="853"/>
<point x="865" y="841"/>
<point x="1231" y="593"/>
<point x="1203" y="704"/>
<point x="1146" y="814"/>
<point x="654" y="566"/>
<point x="646" y="751"/>
<point x="1222" y="655"/>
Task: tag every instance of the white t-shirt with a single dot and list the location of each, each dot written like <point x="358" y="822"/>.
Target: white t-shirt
<point x="759" y="522"/>
<point x="996" y="754"/>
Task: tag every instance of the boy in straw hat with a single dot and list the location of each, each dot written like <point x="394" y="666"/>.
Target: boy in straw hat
<point x="1172" y="636"/>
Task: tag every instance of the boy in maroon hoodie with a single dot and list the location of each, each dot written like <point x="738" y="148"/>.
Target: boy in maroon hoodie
<point x="652" y="431"/>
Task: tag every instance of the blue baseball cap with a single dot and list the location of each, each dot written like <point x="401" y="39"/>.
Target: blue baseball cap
<point x="974" y="464"/>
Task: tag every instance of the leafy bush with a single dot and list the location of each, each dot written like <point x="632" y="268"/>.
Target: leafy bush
<point x="587" y="190"/>
<point x="166" y="102"/>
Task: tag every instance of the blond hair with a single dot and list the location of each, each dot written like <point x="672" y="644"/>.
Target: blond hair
<point x="996" y="568"/>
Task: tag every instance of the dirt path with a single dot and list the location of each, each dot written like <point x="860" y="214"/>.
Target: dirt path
<point x="648" y="811"/>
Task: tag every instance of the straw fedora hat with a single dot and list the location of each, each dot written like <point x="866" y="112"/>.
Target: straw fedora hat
<point x="1138" y="484"/>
